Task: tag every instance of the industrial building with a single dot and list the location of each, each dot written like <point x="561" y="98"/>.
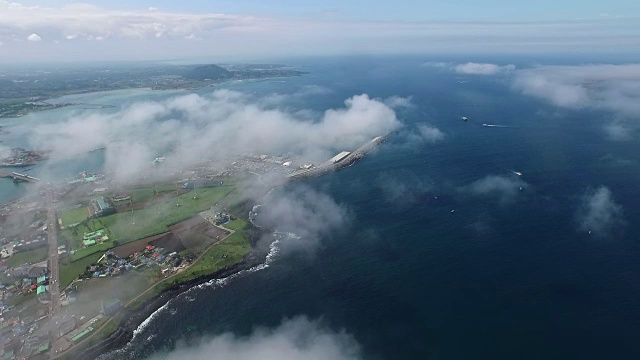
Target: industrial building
<point x="339" y="157"/>
<point x="100" y="207"/>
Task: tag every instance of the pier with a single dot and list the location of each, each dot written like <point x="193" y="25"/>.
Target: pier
<point x="343" y="161"/>
<point x="19" y="177"/>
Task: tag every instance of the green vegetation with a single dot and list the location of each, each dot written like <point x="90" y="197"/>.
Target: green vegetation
<point x="72" y="270"/>
<point x="145" y="193"/>
<point x="155" y="219"/>
<point x="228" y="252"/>
<point x="237" y="224"/>
<point x="84" y="252"/>
<point x="30" y="256"/>
<point x="74" y="216"/>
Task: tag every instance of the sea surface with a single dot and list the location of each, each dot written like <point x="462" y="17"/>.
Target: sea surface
<point x="498" y="278"/>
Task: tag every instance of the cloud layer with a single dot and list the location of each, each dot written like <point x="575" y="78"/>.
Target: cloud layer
<point x="505" y="189"/>
<point x="603" y="86"/>
<point x="88" y="32"/>
<point x="613" y="88"/>
<point x="472" y="68"/>
<point x="220" y="125"/>
<point x="309" y="214"/>
<point x="299" y="339"/>
<point x="599" y="213"/>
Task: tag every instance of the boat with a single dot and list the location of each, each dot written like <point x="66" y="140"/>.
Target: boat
<point x="517" y="173"/>
<point x="485" y="125"/>
<point x="464" y="118"/>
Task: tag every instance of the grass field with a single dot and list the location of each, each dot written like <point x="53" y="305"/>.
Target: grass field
<point x="84" y="252"/>
<point x="72" y="270"/>
<point x="144" y="193"/>
<point x="74" y="216"/>
<point x="31" y="256"/>
<point x="138" y="224"/>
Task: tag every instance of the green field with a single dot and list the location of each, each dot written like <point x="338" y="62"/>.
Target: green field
<point x="133" y="225"/>
<point x="74" y="216"/>
<point x="31" y="256"/>
<point x="72" y="270"/>
<point x="84" y="252"/>
<point x="145" y="193"/>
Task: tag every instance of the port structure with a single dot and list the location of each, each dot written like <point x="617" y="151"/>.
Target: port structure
<point x="19" y="177"/>
<point x="339" y="161"/>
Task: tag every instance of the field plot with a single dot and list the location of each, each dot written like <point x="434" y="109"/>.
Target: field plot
<point x="74" y="216"/>
<point x="155" y="219"/>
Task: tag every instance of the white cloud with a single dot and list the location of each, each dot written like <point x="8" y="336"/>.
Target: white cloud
<point x="614" y="88"/>
<point x="482" y="69"/>
<point x="299" y="339"/>
<point x="502" y="187"/>
<point x="311" y="215"/>
<point x="599" y="213"/>
<point x="221" y="125"/>
<point x="34" y="37"/>
<point x="611" y="87"/>
<point x="399" y="102"/>
<point x="618" y="131"/>
<point x="429" y="133"/>
<point x="437" y="64"/>
<point x="146" y="34"/>
<point x="152" y="8"/>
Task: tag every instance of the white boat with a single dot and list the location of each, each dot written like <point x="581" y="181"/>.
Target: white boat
<point x="464" y="118"/>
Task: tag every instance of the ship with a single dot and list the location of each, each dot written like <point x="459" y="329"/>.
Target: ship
<point x="464" y="118"/>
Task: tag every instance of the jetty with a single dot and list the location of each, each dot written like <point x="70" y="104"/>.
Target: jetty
<point x="19" y="177"/>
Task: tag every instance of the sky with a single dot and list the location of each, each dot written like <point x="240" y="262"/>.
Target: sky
<point x="49" y="30"/>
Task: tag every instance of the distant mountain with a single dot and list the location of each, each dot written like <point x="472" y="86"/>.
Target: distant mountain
<point x="208" y="72"/>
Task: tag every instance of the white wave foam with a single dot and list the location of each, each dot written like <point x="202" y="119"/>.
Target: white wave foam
<point x="271" y="256"/>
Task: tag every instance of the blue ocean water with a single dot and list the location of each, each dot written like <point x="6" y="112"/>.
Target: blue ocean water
<point x="409" y="279"/>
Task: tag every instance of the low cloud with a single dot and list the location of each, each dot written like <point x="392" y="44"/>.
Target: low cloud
<point x="221" y="125"/>
<point x="614" y="88"/>
<point x="599" y="213"/>
<point x="472" y="68"/>
<point x="311" y="215"/>
<point x="618" y="131"/>
<point x="402" y="189"/>
<point x="502" y="187"/>
<point x="430" y="134"/>
<point x="34" y="37"/>
<point x="602" y="86"/>
<point x="299" y="338"/>
<point x="399" y="102"/>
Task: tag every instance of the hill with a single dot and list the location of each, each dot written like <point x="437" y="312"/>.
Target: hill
<point x="208" y="72"/>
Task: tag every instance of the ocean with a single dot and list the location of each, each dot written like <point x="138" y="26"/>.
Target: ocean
<point x="500" y="277"/>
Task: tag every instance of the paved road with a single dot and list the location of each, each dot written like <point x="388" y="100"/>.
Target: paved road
<point x="54" y="271"/>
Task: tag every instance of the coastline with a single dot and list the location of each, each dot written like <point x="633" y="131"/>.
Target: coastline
<point x="133" y="318"/>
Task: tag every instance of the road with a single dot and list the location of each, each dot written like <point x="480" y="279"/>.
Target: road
<point x="54" y="271"/>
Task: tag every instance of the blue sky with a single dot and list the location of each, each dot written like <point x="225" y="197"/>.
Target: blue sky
<point x="31" y="30"/>
<point x="396" y="10"/>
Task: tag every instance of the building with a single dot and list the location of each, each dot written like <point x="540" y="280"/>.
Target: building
<point x="339" y="157"/>
<point x="100" y="207"/>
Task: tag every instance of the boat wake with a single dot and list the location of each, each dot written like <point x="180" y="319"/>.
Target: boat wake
<point x="497" y="126"/>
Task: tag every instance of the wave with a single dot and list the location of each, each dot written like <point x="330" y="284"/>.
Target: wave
<point x="274" y="251"/>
